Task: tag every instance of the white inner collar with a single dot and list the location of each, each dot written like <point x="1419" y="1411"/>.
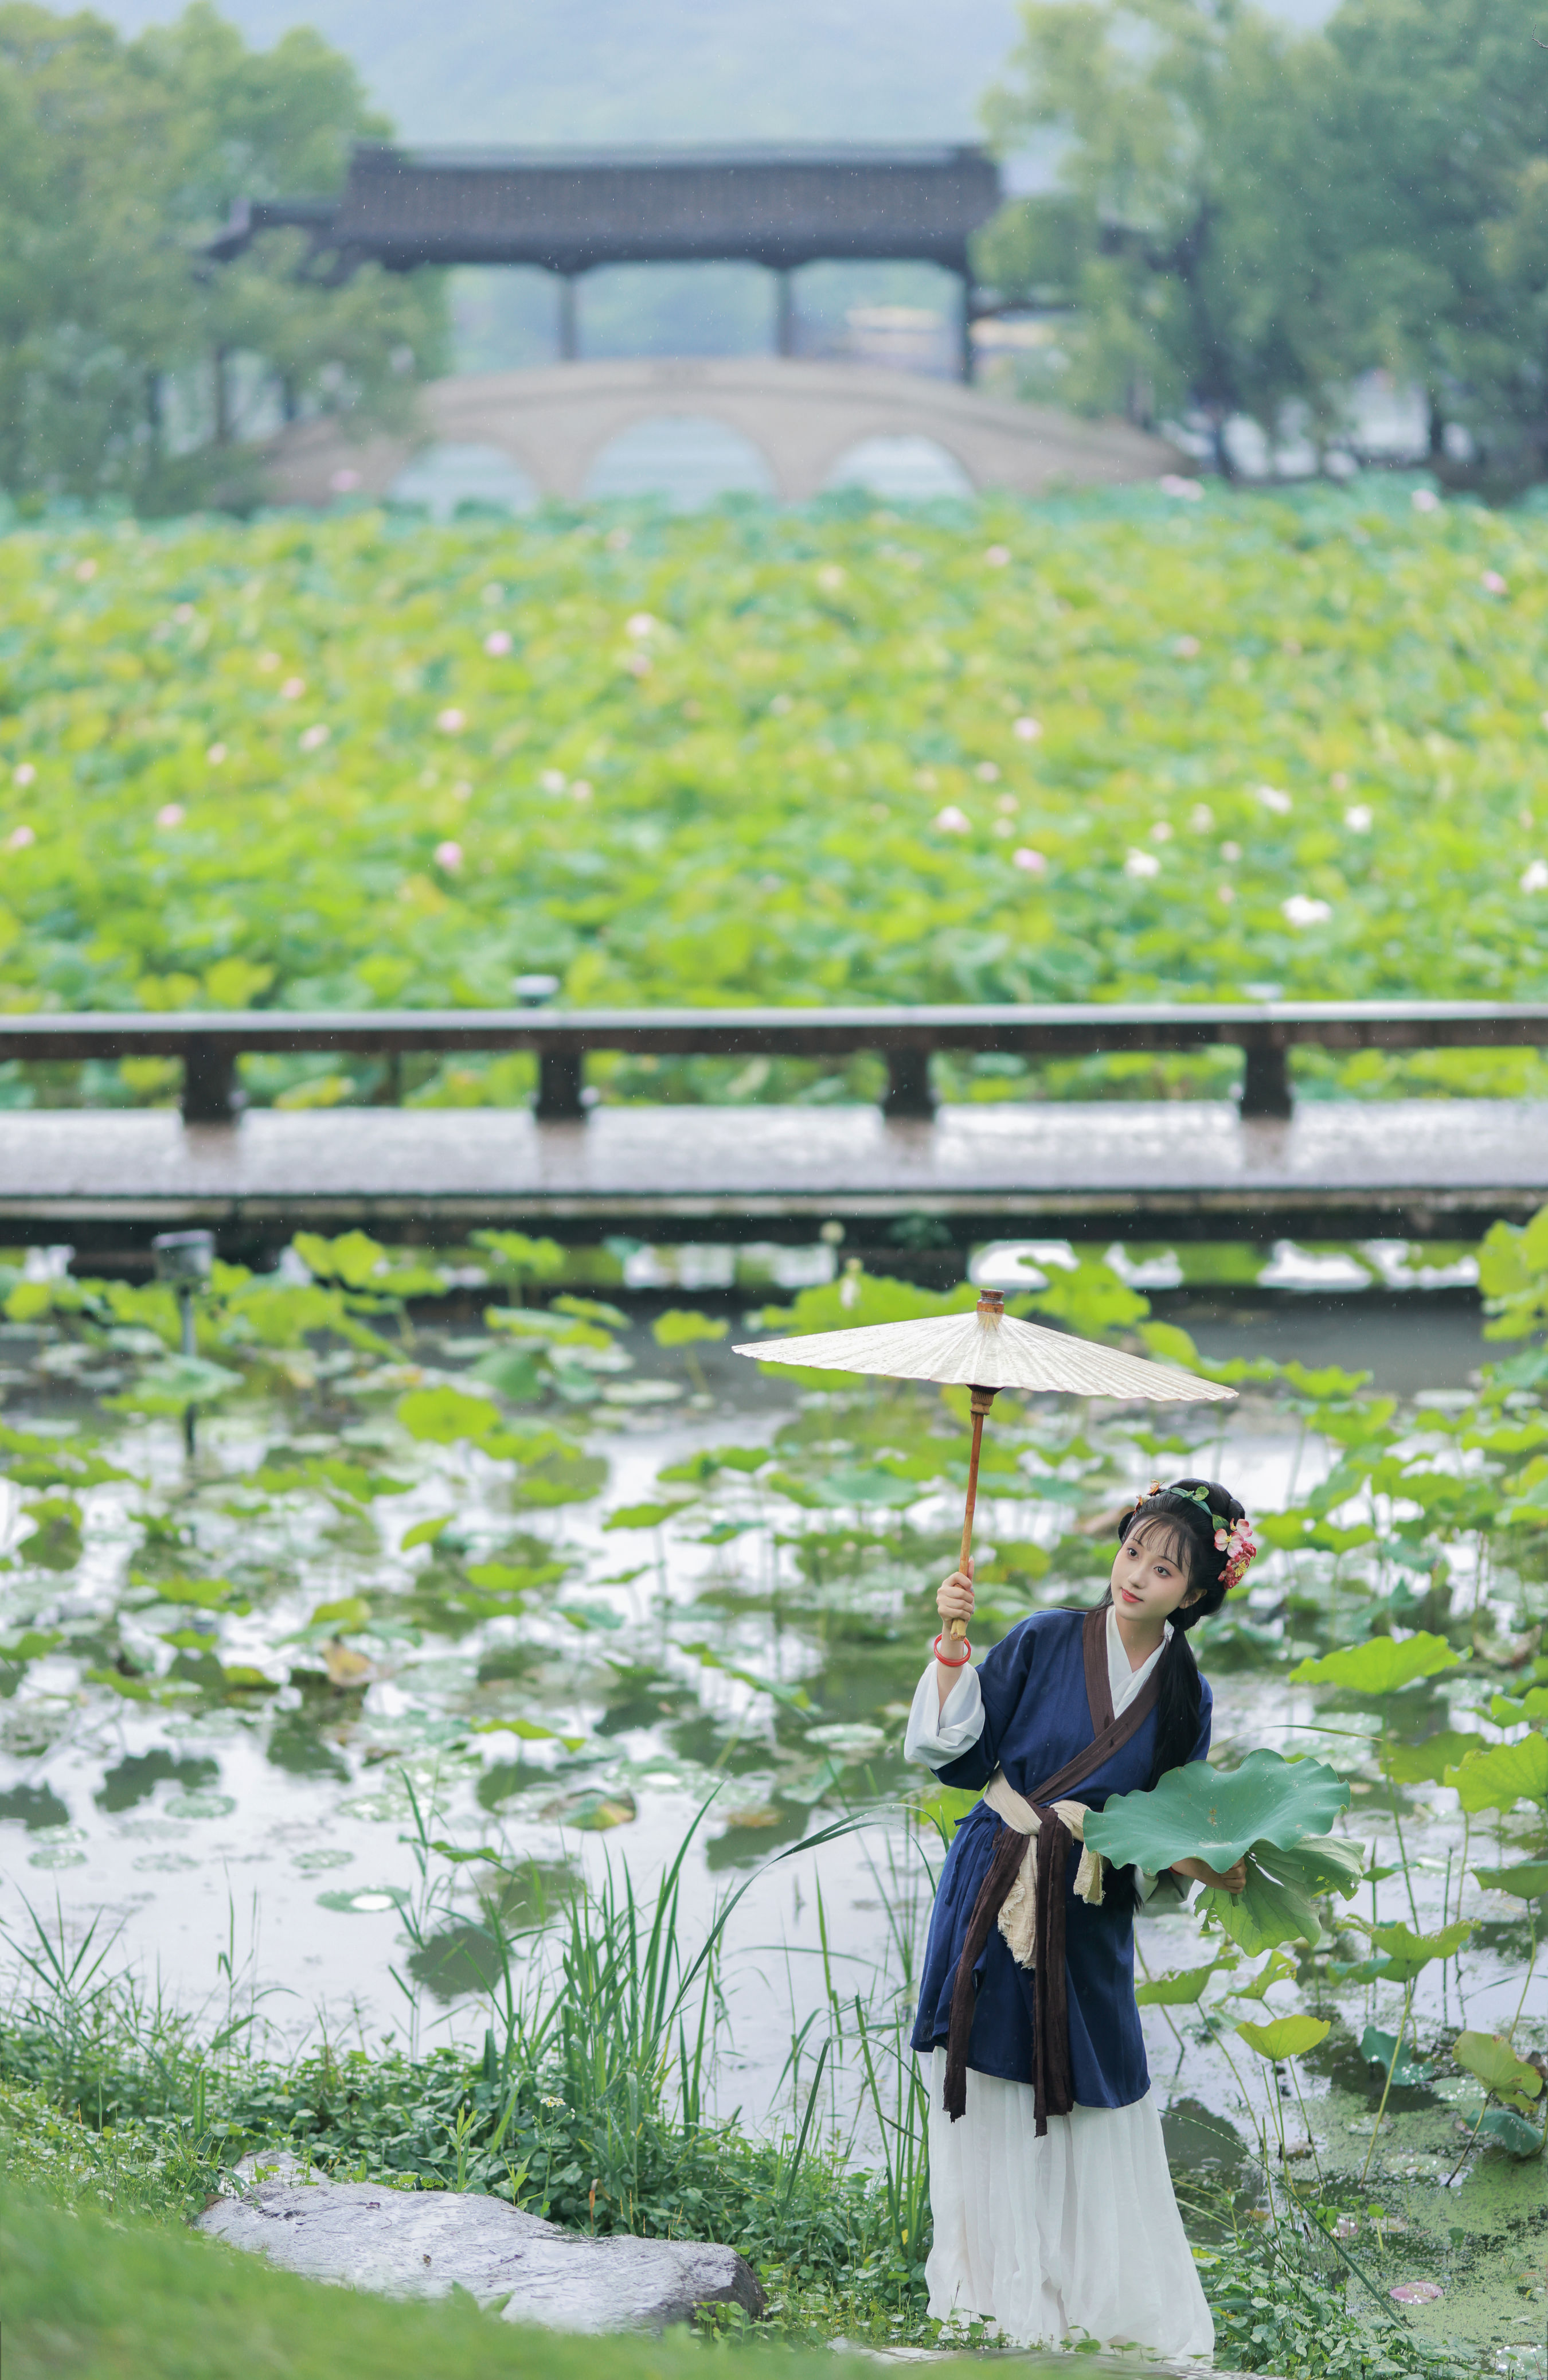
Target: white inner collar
<point x="1125" y="1683"/>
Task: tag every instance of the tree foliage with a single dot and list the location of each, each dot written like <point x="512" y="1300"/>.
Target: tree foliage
<point x="124" y="353"/>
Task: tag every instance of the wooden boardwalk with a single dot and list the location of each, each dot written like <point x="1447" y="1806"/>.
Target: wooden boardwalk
<point x="107" y="1181"/>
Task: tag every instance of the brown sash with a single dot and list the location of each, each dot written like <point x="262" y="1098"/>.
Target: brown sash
<point x="1052" y="2086"/>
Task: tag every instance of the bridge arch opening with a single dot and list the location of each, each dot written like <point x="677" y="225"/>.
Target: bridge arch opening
<point x="906" y="467"/>
<point x="683" y="459"/>
<point x="449" y="477"/>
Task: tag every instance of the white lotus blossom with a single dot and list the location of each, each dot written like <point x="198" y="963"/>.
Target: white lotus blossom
<point x="1274" y="798"/>
<point x="293" y="689"/>
<point x="497" y="644"/>
<point x="987" y="772"/>
<point x="1534" y="877"/>
<point x="448" y="856"/>
<point x="1190" y="490"/>
<point x="1302" y="909"/>
<point x="1357" y="817"/>
<point x="313" y="739"/>
<point x="86" y="571"/>
<point x="451" y="722"/>
<point x="553" y="780"/>
<point x="1424" y="500"/>
<point x="951" y="820"/>
<point x="170" y="814"/>
<point x="640" y="624"/>
<point x="580" y="791"/>
<point x="1187" y="648"/>
<point x="215" y="755"/>
<point x="19" y="837"/>
<point x="1142" y="863"/>
<point x="997" y="556"/>
<point x="1027" y="730"/>
<point x="24" y="774"/>
<point x="830" y="577"/>
<point x="1162" y="831"/>
<point x="1201" y="817"/>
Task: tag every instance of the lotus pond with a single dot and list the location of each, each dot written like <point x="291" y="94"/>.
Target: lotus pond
<point x="504" y="1647"/>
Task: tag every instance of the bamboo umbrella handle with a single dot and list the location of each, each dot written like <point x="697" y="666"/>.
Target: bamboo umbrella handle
<point x="982" y="1399"/>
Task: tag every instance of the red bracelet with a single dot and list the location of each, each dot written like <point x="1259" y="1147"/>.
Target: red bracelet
<point x="967" y="1654"/>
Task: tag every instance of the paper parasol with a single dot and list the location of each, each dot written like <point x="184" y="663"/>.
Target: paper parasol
<point x="985" y="1351"/>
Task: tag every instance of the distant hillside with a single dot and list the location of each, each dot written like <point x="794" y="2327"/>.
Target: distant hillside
<point x="550" y="70"/>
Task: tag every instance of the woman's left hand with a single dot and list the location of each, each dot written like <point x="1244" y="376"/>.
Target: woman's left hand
<point x="1230" y="1879"/>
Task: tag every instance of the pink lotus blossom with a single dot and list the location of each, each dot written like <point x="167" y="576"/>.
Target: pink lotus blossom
<point x="640" y="624"/>
<point x="1493" y="583"/>
<point x="1187" y="648"/>
<point x="1358" y="816"/>
<point x="1424" y="500"/>
<point x="1007" y="805"/>
<point x="497" y="644"/>
<point x="313" y="739"/>
<point x="1190" y="490"/>
<point x="1201" y="817"/>
<point x="1224" y="893"/>
<point x="451" y="722"/>
<point x="1162" y="831"/>
<point x="997" y="556"/>
<point x="24" y="774"/>
<point x="1339" y="782"/>
<point x="638" y="664"/>
<point x="215" y="755"/>
<point x="19" y="837"/>
<point x="448" y="856"/>
<point x="580" y="791"/>
<point x="170" y="814"/>
<point x="1031" y="861"/>
<point x="266" y="661"/>
<point x="951" y="820"/>
<point x="343" y="481"/>
<point x="1534" y="877"/>
<point x="293" y="689"/>
<point x="987" y="772"/>
<point x="86" y="571"/>
<point x="185" y="614"/>
<point x="1142" y="863"/>
<point x="1304" y="909"/>
<point x="1027" y="730"/>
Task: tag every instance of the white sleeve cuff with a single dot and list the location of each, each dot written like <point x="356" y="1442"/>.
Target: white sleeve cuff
<point x="940" y="1733"/>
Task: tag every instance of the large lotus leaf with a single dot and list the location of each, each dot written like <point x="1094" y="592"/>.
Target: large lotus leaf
<point x="1266" y="1913"/>
<point x="1382" y="2049"/>
<point x="1183" y="1988"/>
<point x="1288" y="2036"/>
<point x="1320" y="1863"/>
<point x="1498" y="1779"/>
<point x="1378" y="1667"/>
<point x="1426" y="1762"/>
<point x="1495" y="2062"/>
<point x="1528" y="1880"/>
<point x="1197" y="1812"/>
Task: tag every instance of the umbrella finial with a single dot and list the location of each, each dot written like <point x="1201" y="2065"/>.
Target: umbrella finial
<point x="991" y="1306"/>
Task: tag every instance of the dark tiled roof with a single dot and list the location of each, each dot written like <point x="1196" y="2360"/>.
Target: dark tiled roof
<point x="570" y="211"/>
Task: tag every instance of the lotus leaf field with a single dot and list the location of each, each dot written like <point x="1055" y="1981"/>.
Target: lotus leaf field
<point x="486" y="1748"/>
<point x="1125" y="745"/>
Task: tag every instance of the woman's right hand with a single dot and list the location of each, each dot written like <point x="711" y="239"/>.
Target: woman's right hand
<point x="954" y="1595"/>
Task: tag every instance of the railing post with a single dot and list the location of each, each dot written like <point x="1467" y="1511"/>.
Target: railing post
<point x="908" y="1085"/>
<point x="559" y="1086"/>
<point x="1265" y="1081"/>
<point x="209" y="1080"/>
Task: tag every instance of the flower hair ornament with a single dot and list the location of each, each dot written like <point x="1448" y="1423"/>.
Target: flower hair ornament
<point x="1233" y="1539"/>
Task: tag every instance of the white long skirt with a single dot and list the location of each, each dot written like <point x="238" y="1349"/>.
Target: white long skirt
<point x="1074" y="2234"/>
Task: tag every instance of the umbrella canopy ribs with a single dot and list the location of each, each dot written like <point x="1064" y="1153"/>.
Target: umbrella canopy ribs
<point x="985" y="1351"/>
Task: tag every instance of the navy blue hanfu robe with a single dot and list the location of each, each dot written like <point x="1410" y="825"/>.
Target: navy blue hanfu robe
<point x="1037" y="1718"/>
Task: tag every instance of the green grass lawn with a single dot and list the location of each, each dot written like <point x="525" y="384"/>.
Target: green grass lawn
<point x="1118" y="746"/>
<point x="86" y="2296"/>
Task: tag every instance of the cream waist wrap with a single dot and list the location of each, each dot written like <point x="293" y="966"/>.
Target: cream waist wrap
<point x="1018" y="1916"/>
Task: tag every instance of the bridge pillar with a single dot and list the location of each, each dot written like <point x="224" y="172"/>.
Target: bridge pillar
<point x="1265" y="1082"/>
<point x="908" y="1091"/>
<point x="569" y="322"/>
<point x="964" y="331"/>
<point x="784" y="313"/>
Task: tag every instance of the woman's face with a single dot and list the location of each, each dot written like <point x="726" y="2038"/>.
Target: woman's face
<point x="1150" y="1576"/>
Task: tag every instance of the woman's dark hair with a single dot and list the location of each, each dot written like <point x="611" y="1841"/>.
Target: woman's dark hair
<point x="1173" y="1518"/>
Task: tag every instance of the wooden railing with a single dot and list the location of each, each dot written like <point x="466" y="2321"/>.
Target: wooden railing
<point x="210" y="1045"/>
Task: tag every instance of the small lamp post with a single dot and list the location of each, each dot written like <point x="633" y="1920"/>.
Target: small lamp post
<point x="185" y="1261"/>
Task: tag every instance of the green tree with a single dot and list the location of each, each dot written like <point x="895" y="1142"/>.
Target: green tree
<point x="1192" y="233"/>
<point x="125" y="354"/>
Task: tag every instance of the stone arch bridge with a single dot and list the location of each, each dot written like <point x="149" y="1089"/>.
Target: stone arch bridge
<point x="802" y="419"/>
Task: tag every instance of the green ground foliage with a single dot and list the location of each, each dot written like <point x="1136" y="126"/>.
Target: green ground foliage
<point x="1120" y="748"/>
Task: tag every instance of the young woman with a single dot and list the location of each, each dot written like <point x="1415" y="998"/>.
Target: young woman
<point x="1053" y="2207"/>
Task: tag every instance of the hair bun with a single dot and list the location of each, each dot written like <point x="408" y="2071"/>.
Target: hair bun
<point x="1220" y="1500"/>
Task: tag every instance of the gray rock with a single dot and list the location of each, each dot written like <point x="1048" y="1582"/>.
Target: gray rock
<point x="425" y="2242"/>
